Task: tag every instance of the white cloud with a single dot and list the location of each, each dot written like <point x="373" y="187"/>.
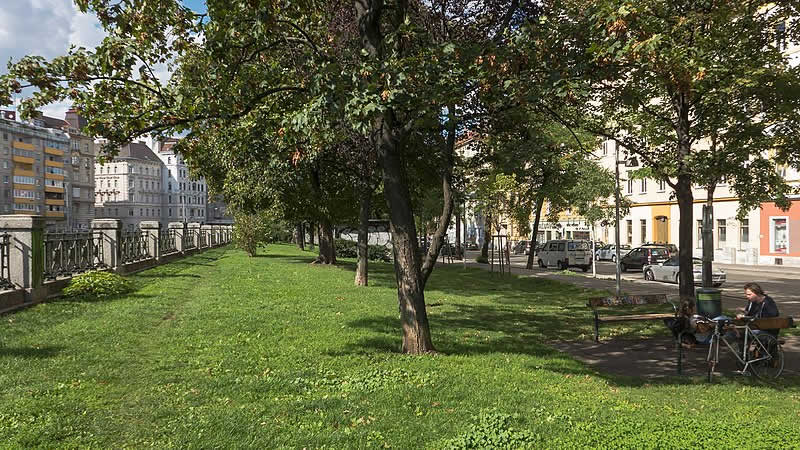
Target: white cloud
<point x="45" y="28"/>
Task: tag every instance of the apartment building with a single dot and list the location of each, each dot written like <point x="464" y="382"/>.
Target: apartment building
<point x="186" y="197"/>
<point x="79" y="166"/>
<point x="36" y="171"/>
<point x="129" y="187"/>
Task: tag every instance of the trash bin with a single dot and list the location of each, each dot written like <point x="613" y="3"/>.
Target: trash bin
<point x="709" y="302"/>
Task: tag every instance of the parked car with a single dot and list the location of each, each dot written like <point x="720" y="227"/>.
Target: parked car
<point x="609" y="252"/>
<point x="642" y="256"/>
<point x="520" y="247"/>
<point x="671" y="248"/>
<point x="566" y="253"/>
<point x="668" y="271"/>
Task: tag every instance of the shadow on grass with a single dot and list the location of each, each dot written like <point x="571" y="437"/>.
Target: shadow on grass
<point x="30" y="352"/>
<point x="169" y="275"/>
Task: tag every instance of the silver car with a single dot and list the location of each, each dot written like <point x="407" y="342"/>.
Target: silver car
<point x="609" y="252"/>
<point x="668" y="271"/>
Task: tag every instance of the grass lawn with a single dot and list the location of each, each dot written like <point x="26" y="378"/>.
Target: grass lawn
<point x="221" y="350"/>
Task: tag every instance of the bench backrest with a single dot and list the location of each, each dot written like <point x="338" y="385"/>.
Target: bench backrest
<point x="629" y="300"/>
<point x="772" y="323"/>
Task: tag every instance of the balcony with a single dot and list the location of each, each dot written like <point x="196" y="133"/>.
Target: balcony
<point x="53" y="176"/>
<point x="22" y="159"/>
<point x="53" y="189"/>
<point x="24" y="172"/>
<point x="54" y="164"/>
<point x="53" y="151"/>
<point x="24" y="146"/>
<point x="54" y="214"/>
<point x="54" y="201"/>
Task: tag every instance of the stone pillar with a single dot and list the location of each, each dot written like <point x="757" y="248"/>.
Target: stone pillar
<point x="194" y="230"/>
<point x="206" y="231"/>
<point x="26" y="254"/>
<point x="111" y="232"/>
<point x="180" y="232"/>
<point x="215" y="232"/>
<point x="152" y="228"/>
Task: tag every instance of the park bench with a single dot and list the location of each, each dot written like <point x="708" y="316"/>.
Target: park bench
<point x="608" y="304"/>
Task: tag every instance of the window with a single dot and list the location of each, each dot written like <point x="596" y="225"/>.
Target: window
<point x="744" y="230"/>
<point x="629" y="224"/>
<point x="644" y="186"/>
<point x="722" y="232"/>
<point x="131" y="212"/>
<point x="780" y="35"/>
<point x="700" y="233"/>
<point x="170" y="212"/>
<point x="662" y="185"/>
<point x="643" y="229"/>
<point x="19" y="179"/>
<point x="779" y="235"/>
<point x="630" y="183"/>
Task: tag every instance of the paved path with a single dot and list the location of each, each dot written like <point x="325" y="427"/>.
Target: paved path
<point x="654" y="357"/>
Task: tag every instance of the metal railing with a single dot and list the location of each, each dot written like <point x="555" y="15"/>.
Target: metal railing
<point x="167" y="241"/>
<point x="5" y="266"/>
<point x="68" y="253"/>
<point x="134" y="247"/>
<point x="188" y="239"/>
<point x="214" y="238"/>
<point x="202" y="239"/>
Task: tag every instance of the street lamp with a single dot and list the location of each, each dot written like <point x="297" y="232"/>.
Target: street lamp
<point x="631" y="162"/>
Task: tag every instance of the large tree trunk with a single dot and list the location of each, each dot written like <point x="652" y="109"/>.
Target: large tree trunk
<point x="535" y="232"/>
<point x="327" y="249"/>
<point x="363" y="240"/>
<point x="311" y="236"/>
<point x="300" y="236"/>
<point x="683" y="193"/>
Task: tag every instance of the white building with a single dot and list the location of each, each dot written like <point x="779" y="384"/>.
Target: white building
<point x="186" y="198"/>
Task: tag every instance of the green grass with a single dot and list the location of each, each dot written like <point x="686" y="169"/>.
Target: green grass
<point x="222" y="350"/>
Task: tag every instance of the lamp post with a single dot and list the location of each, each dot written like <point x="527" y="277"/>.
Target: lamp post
<point x="632" y="162"/>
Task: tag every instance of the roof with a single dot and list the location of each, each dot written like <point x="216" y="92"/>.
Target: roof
<point x="52" y="122"/>
<point x="138" y="150"/>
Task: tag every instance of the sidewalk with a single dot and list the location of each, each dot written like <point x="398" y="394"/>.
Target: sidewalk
<point x="647" y="358"/>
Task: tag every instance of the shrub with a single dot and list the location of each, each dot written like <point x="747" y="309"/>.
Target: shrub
<point x="493" y="430"/>
<point x="482" y="259"/>
<point x="253" y="230"/>
<point x="346" y="248"/>
<point x="97" y="285"/>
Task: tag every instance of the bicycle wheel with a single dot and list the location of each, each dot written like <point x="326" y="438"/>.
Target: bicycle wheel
<point x="770" y="367"/>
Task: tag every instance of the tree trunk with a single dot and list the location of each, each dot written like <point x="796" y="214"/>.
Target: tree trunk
<point x="327" y="249"/>
<point x="300" y="236"/>
<point x="363" y="241"/>
<point x="487" y="236"/>
<point x="685" y="199"/>
<point x="535" y="233"/>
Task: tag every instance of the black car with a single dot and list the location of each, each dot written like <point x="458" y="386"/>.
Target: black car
<point x="642" y="256"/>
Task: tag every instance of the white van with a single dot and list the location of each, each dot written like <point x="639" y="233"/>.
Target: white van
<point x="566" y="253"/>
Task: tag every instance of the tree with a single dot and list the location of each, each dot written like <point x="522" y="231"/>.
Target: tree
<point x="285" y="76"/>
<point x="663" y="77"/>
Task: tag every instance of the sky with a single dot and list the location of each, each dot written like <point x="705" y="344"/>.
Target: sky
<point x="47" y="28"/>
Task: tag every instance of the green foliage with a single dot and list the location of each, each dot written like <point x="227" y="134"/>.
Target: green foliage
<point x="346" y="248"/>
<point x="252" y="230"/>
<point x="482" y="259"/>
<point x="97" y="285"/>
<point x="493" y="430"/>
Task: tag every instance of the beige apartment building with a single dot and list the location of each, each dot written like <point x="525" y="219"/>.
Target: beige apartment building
<point x="35" y="169"/>
<point x="129" y="187"/>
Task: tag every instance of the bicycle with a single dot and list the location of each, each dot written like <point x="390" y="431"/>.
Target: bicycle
<point x="760" y="354"/>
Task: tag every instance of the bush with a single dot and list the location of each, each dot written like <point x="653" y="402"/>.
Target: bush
<point x="346" y="248"/>
<point x="251" y="231"/>
<point x="97" y="285"/>
<point x="482" y="259"/>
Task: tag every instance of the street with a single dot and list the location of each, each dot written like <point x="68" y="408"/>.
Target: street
<point x="781" y="283"/>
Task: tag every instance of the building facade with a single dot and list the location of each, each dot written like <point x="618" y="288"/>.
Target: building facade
<point x="186" y="197"/>
<point x="129" y="187"/>
<point x="36" y="171"/>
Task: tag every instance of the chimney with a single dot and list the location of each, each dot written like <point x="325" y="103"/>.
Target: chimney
<point x="74" y="119"/>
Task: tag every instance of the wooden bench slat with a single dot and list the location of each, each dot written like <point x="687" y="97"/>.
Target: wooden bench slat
<point x="654" y="316"/>
<point x="772" y="323"/>
<point x="629" y="300"/>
